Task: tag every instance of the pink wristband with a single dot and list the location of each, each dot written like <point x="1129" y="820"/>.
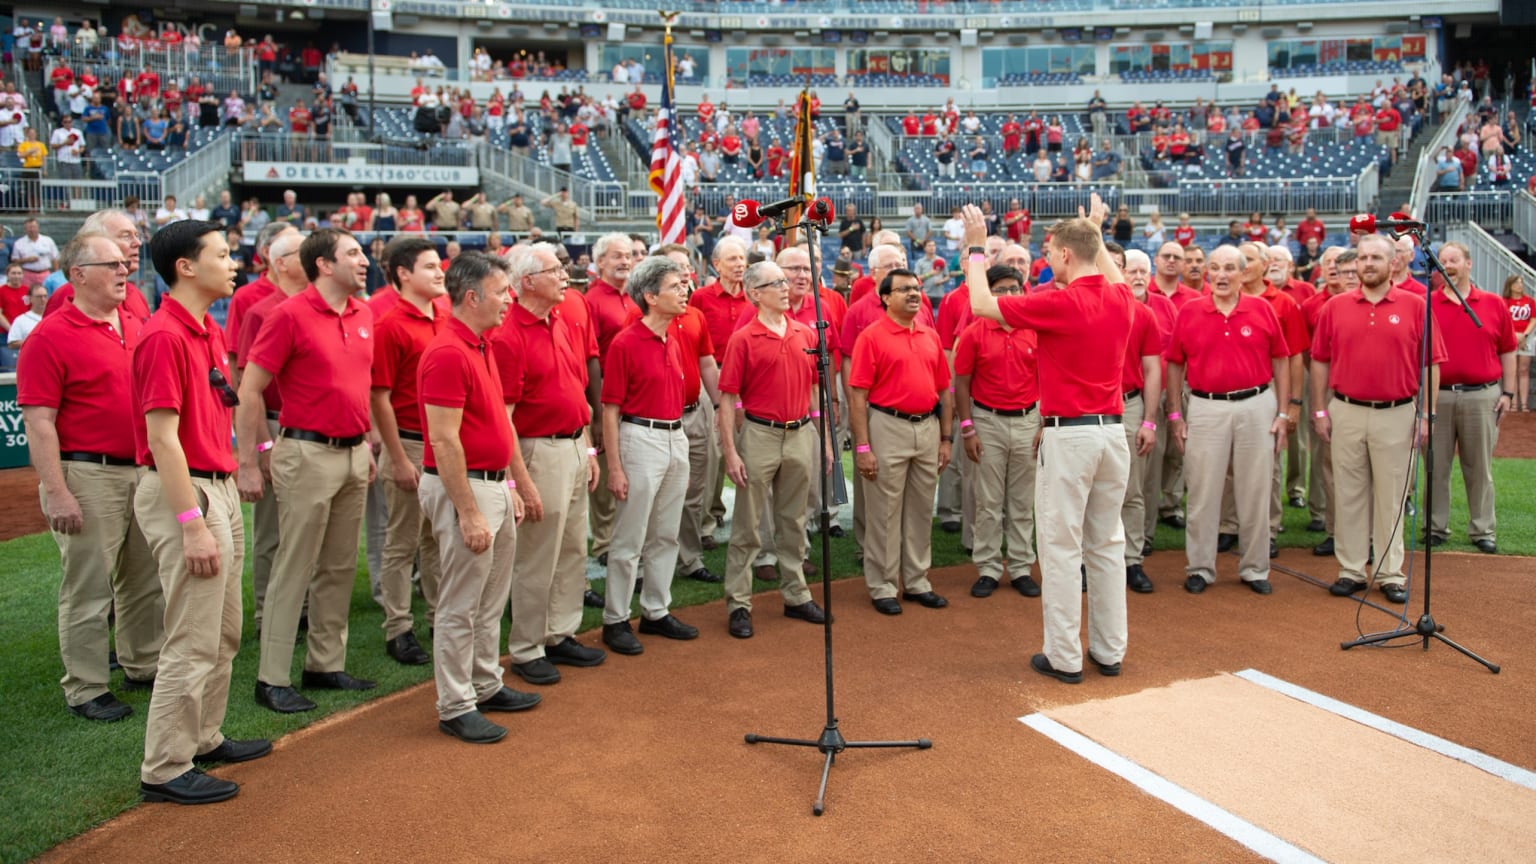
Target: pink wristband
<point x="815" y="414"/>
<point x="1174" y="415"/>
<point x="964" y="423"/>
<point x="862" y="448"/>
<point x="511" y="484"/>
<point x="738" y="406"/>
<point x="1148" y="424"/>
<point x="1319" y="414"/>
<point x="263" y="446"/>
<point x="188" y="515"/>
<point x="591" y="451"/>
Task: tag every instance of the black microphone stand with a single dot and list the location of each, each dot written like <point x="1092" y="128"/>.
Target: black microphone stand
<point x="1426" y="627"/>
<point x="831" y="741"/>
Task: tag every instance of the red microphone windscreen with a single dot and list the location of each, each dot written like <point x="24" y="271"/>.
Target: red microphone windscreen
<point x="745" y="214"/>
<point x="821" y="210"/>
<point x="1365" y="223"/>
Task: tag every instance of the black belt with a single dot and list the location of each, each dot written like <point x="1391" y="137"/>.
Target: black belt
<point x="669" y="425"/>
<point x="568" y="436"/>
<point x="408" y="435"/>
<point x="901" y="415"/>
<point x="774" y="424"/>
<point x="1374" y="403"/>
<point x="204" y="475"/>
<point x="317" y="438"/>
<point x="690" y="407"/>
<point x="477" y="474"/>
<point x="1132" y="394"/>
<point x="272" y="415"/>
<point x="1467" y="388"/>
<point x="1006" y="412"/>
<point x="1233" y="395"/>
<point x="96" y="458"/>
<point x="1085" y="420"/>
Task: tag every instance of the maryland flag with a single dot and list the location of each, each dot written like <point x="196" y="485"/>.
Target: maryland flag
<point x="670" y="218"/>
<point x="802" y="164"/>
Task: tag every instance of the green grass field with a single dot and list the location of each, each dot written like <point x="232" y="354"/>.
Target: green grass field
<point x="67" y="774"/>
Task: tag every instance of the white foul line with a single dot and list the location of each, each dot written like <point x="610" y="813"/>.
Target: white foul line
<point x="1224" y="821"/>
<point x="1497" y="767"/>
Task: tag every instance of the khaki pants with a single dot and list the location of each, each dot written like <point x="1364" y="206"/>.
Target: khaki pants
<point x="1152" y="472"/>
<point x="645" y="524"/>
<point x="264" y="547"/>
<point x="600" y="507"/>
<point x="715" y="516"/>
<point x="699" y="426"/>
<point x="551" y="556"/>
<point x="1371" y="451"/>
<point x="107" y="565"/>
<point x="321" y="494"/>
<point x="957" y="500"/>
<point x="407" y="538"/>
<point x="375" y="529"/>
<point x="1172" y="500"/>
<point x="472" y="593"/>
<point x="202" y="628"/>
<point x="1004" y="485"/>
<point x="1319" y="478"/>
<point x="1229" y="512"/>
<point x="898" y="533"/>
<point x="1229" y="436"/>
<point x="1298" y="444"/>
<point x="1465" y="425"/>
<point x="781" y="466"/>
<point x="1323" y="459"/>
<point x="1080" y="479"/>
<point x="813" y="504"/>
<point x="1133" y="513"/>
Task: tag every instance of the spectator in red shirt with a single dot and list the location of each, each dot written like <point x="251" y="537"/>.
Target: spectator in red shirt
<point x="1013" y="134"/>
<point x="1310" y="227"/>
<point x="1388" y="122"/>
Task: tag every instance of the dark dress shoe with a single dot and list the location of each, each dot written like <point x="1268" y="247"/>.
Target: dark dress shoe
<point x="669" y="627"/>
<point x="283" y="700"/>
<point x="1042" y="665"/>
<point x="765" y="573"/>
<point x="708" y="542"/>
<point x="1317" y="525"/>
<point x="740" y="624"/>
<point x="1146" y="548"/>
<point x="809" y="568"/>
<point x="193" y="787"/>
<point x="105" y="708"/>
<point x="1226" y="542"/>
<point x="887" y="606"/>
<point x="1108" y="670"/>
<point x="234" y="751"/>
<point x="1136" y="579"/>
<point x="1261" y="586"/>
<point x="807" y="611"/>
<point x="602" y="560"/>
<point x="407" y="651"/>
<point x="1195" y="584"/>
<point x="621" y="639"/>
<point x="1323" y="548"/>
<point x="472" y="728"/>
<point x="592" y="600"/>
<point x="836" y="531"/>
<point x="1025" y="585"/>
<point x="334" y="681"/>
<point x="506" y="700"/>
<point x="1486" y="545"/>
<point x="569" y="652"/>
<point x="950" y="527"/>
<point x="1435" y="539"/>
<point x="703" y="575"/>
<point x="927" y="599"/>
<point x="539" y="671"/>
<point x="135" y="684"/>
<point x="984" y="587"/>
<point x="1395" y="593"/>
<point x="1173" y="520"/>
<point x="1345" y="587"/>
<point x="967" y="550"/>
<point x="1274" y="549"/>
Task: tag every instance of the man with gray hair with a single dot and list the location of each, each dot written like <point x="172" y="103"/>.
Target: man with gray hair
<point x="248" y="295"/>
<point x="117" y="226"/>
<point x="723" y="303"/>
<point x="610" y="307"/>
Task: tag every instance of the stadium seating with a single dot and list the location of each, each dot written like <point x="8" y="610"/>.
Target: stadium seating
<point x="1352" y="67"/>
<point x="396" y="125"/>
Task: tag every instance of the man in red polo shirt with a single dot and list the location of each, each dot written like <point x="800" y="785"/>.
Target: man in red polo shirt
<point x="648" y="462"/>
<point x="1282" y="275"/>
<point x="1336" y="269"/>
<point x="73" y="385"/>
<point x="1477" y="384"/>
<point x="1311" y="227"/>
<point x="723" y="303"/>
<point x="318" y="347"/>
<point x="1234" y="351"/>
<point x="1142" y="382"/>
<point x="465" y="495"/>
<point x="1403" y="251"/>
<point x="253" y="292"/>
<point x="117" y="226"/>
<point x="181" y="431"/>
<point x="770" y="370"/>
<point x="1084" y="463"/>
<point x="541" y="358"/>
<point x="796" y="264"/>
<point x="1164" y="483"/>
<point x="1365" y="353"/>
<point x="610" y="306"/>
<point x="416" y="272"/>
<point x="995" y="397"/>
<point x="901" y="407"/>
<point x="1388" y="122"/>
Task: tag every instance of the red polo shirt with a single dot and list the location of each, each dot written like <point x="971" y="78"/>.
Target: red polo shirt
<point x="866" y="311"/>
<point x="170" y="370"/>
<point x="1292" y="324"/>
<point x="1184" y="234"/>
<point x="83" y="369"/>
<point x="542" y="364"/>
<point x="1298" y="290"/>
<point x="1307" y="229"/>
<point x="1472" y="353"/>
<point x="772" y="374"/>
<point x="693" y="330"/>
<point x="1083" y="332"/>
<point x="1373" y="348"/>
<point x="1001" y="363"/>
<point x="456" y="371"/>
<point x="400" y="337"/>
<point x="383" y="301"/>
<point x="833" y="307"/>
<point x="1226" y="352"/>
<point x="322" y="360"/>
<point x="1146" y="340"/>
<point x="954" y="315"/>
<point x="609" y="308"/>
<point x="133" y="301"/>
<point x="1412" y="286"/>
<point x="246" y="296"/>
<point x="901" y="367"/>
<point x="1181" y="294"/>
<point x="721" y="311"/>
<point x="644" y="375"/>
<point x="255" y="317"/>
<point x="1312" y="309"/>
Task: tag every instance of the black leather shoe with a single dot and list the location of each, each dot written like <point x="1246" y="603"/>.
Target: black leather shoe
<point x="1173" y="520"/>
<point x="1146" y="548"/>
<point x="668" y="627"/>
<point x="602" y="560"/>
<point x="1395" y="593"/>
<point x="193" y="787"/>
<point x="592" y="600"/>
<point x="765" y="573"/>
<point x="1136" y="579"/>
<point x="837" y="532"/>
<point x="1345" y="587"/>
<point x="1108" y="670"/>
<point x="984" y="587"/>
<point x="472" y="728"/>
<point x="1040" y="664"/>
<point x="283" y="700"/>
<point x="538" y="671"/>
<point x="506" y="700"/>
<point x="1317" y="525"/>
<point x="887" y="606"/>
<point x="105" y="708"/>
<point x="950" y="527"/>
<point x="1274" y="549"/>
<point x="407" y="651"/>
<point x="622" y="639"/>
<point x="1323" y="548"/>
<point x="708" y="543"/>
<point x="1195" y="585"/>
<point x="740" y="624"/>
<point x="809" y="568"/>
<point x="927" y="599"/>
<point x="1025" y="585"/>
<point x="807" y="611"/>
<point x="234" y="751"/>
<point x="334" y="681"/>
<point x="1226" y="542"/>
<point x="136" y="684"/>
<point x="1261" y="586"/>
<point x="569" y="652"/>
<point x="703" y="575"/>
<point x="1486" y="545"/>
<point x="1435" y="540"/>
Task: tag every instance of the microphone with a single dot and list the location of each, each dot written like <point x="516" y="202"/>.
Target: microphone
<point x="750" y="214"/>
<point x="1367" y="223"/>
<point x="820" y="211"/>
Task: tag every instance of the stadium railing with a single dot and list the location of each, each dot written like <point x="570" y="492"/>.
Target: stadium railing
<point x="600" y="199"/>
<point x="1368" y="187"/>
<point x="203" y="172"/>
<point x="23" y="191"/>
<point x="1492" y="261"/>
<point x="1424" y="174"/>
<point x="1525" y="218"/>
<point x="1489" y="208"/>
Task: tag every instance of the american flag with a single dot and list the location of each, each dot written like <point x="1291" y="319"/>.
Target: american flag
<point x="664" y="162"/>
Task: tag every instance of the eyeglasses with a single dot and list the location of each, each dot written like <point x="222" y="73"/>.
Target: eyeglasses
<point x="115" y="265"/>
<point x="227" y="394"/>
<point x="777" y="283"/>
<point x="797" y="269"/>
<point x="555" y="269"/>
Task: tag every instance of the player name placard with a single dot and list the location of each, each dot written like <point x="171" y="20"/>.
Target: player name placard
<point x="348" y="174"/>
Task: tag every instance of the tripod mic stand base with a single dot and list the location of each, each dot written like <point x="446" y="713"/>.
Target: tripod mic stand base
<point x="1426" y="628"/>
<point x="831" y="743"/>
